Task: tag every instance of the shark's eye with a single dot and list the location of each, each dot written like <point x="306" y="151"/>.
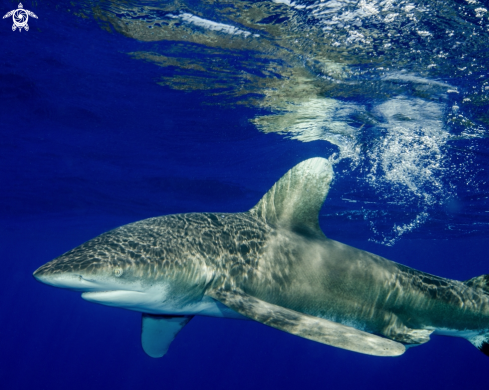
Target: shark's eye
<point x="117" y="271"/>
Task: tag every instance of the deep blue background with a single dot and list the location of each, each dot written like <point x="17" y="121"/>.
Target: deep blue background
<point x="89" y="141"/>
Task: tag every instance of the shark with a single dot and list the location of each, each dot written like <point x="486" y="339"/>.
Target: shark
<point x="271" y="264"/>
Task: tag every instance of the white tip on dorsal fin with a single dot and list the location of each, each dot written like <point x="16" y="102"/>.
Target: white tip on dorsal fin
<point x="295" y="200"/>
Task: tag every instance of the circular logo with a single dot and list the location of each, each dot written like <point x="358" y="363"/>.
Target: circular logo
<point x="20" y="18"/>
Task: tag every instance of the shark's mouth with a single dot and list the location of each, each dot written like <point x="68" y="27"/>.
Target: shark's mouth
<point x="118" y="298"/>
<point x="150" y="301"/>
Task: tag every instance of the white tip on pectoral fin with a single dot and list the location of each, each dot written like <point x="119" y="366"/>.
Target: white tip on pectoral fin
<point x="158" y="331"/>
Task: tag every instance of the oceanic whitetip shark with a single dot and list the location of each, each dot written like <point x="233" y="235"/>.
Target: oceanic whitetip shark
<point x="274" y="265"/>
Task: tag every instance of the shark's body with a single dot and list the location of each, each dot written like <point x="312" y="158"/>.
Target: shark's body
<point x="272" y="264"/>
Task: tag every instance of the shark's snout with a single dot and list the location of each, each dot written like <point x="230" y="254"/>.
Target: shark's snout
<point x="69" y="280"/>
<point x="42" y="275"/>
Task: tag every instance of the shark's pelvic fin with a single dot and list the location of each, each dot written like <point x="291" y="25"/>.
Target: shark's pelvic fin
<point x="397" y="331"/>
<point x="480" y="282"/>
<point x="158" y="331"/>
<point x="309" y="327"/>
<point x="295" y="200"/>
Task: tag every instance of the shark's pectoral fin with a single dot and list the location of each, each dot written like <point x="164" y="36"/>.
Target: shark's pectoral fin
<point x="309" y="327"/>
<point x="158" y="331"/>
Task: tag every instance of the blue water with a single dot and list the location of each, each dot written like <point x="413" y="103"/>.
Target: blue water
<point x="94" y="136"/>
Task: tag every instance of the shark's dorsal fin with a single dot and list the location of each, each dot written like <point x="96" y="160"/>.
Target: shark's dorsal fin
<point x="295" y="200"/>
<point x="158" y="331"/>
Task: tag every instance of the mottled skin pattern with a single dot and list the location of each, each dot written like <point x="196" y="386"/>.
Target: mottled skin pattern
<point x="204" y="252"/>
<point x="328" y="279"/>
<point x="184" y="249"/>
<point x="272" y="264"/>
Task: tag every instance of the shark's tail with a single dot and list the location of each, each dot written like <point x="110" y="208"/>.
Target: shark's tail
<point x="481" y="342"/>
